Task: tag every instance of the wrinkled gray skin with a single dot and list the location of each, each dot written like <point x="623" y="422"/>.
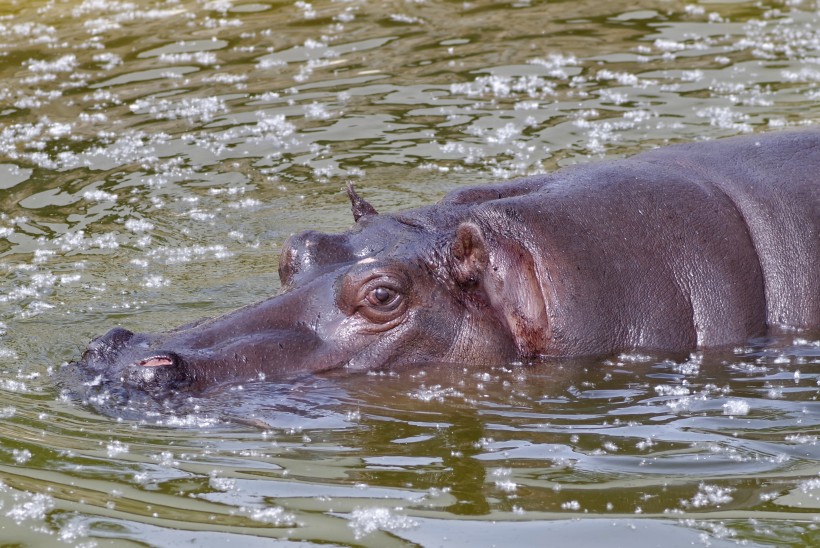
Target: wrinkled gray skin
<point x="682" y="247"/>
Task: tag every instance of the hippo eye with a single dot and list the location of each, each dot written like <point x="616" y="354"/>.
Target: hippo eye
<point x="378" y="294"/>
<point x="381" y="296"/>
<point x="382" y="302"/>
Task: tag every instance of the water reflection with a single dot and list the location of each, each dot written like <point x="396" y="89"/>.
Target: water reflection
<point x="154" y="156"/>
<point x="713" y="433"/>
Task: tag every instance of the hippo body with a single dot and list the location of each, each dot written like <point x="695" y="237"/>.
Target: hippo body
<point x="682" y="247"/>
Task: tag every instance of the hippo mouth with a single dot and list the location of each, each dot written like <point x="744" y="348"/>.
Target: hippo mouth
<point x="157" y="361"/>
<point x="157" y="372"/>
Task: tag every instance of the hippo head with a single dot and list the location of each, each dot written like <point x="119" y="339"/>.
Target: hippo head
<point x="395" y="290"/>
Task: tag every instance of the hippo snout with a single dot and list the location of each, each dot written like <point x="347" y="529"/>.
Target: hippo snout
<point x="127" y="358"/>
<point x="108" y="344"/>
<point x="203" y="355"/>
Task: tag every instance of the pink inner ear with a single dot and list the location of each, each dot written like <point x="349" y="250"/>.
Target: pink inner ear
<point x="156" y="362"/>
<point x="515" y="290"/>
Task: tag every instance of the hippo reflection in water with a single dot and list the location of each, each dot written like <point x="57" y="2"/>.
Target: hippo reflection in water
<point x="678" y="248"/>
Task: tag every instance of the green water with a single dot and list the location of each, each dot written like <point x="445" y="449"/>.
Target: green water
<point x="155" y="155"/>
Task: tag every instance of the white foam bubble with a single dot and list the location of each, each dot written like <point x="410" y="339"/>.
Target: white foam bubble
<point x="736" y="407"/>
<point x="364" y="521"/>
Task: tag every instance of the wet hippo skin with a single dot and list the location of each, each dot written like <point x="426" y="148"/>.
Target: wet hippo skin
<point x="683" y="247"/>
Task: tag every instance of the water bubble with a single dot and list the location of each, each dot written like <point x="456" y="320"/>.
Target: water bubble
<point x="364" y="521"/>
<point x="573" y="505"/>
<point x="116" y="448"/>
<point x="736" y="407"/>
<point x="709" y="495"/>
<point x="31" y="507"/>
<point x="21" y="456"/>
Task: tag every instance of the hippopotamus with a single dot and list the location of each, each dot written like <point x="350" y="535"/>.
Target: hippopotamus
<point x="678" y="248"/>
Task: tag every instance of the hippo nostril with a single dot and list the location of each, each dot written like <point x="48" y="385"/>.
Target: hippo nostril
<point x="106" y="346"/>
<point x="115" y="338"/>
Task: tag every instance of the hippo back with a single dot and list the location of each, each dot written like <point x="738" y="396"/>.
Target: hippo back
<point x="774" y="182"/>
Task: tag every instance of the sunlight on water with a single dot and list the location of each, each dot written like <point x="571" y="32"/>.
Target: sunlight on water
<point x="155" y="155"/>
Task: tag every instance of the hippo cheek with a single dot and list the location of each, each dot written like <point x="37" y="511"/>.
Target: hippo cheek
<point x="425" y="336"/>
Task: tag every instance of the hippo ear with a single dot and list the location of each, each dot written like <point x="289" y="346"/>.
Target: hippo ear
<point x="359" y="206"/>
<point x="470" y="253"/>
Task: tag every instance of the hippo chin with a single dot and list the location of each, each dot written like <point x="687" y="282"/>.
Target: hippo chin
<point x="682" y="247"/>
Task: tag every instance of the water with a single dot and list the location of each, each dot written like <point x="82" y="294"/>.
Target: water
<point x="155" y="155"/>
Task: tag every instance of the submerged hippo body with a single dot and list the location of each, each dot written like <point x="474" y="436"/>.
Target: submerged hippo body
<point x="678" y="248"/>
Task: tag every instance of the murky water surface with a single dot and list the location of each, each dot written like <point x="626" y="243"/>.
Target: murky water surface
<point x="155" y="155"/>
